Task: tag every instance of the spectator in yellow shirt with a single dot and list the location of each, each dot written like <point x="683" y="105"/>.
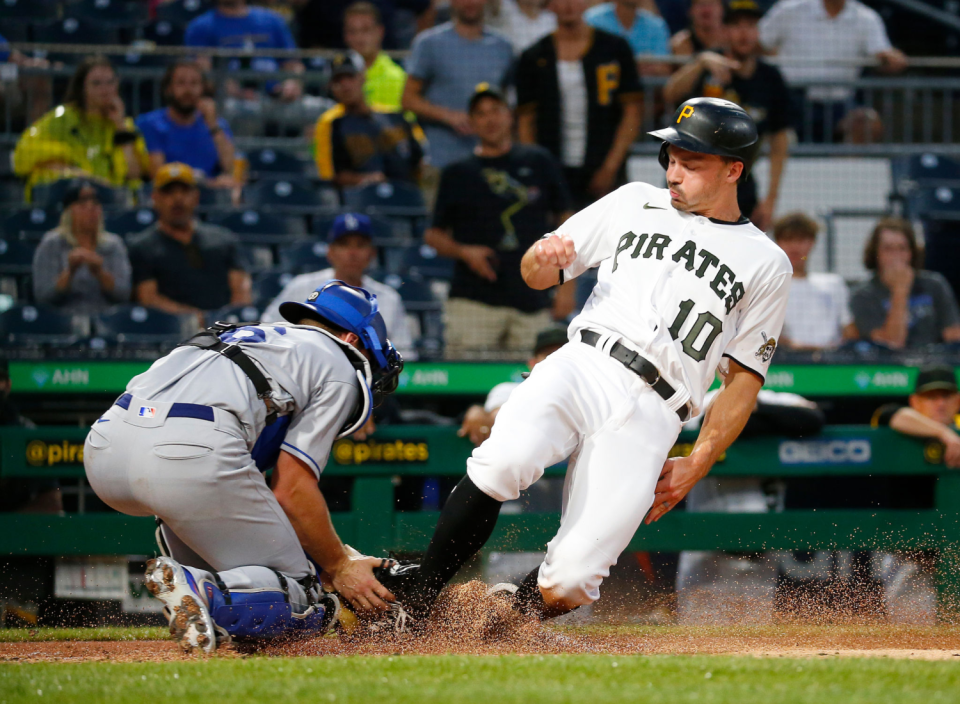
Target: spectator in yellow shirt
<point x="88" y="135"/>
<point x="363" y="32"/>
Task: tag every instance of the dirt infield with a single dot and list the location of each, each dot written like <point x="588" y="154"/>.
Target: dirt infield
<point x="468" y="623"/>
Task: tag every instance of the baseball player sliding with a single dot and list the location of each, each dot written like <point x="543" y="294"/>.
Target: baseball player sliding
<point x="687" y="287"/>
<point x="189" y="439"/>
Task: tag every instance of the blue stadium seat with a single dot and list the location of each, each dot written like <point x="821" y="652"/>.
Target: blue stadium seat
<point x="134" y="58"/>
<point x="925" y="167"/>
<point x="73" y="30"/>
<point x="273" y="162"/>
<point x="423" y="261"/>
<point x="29" y="223"/>
<point x="936" y="203"/>
<point x="302" y="257"/>
<point x="233" y="314"/>
<point x="297" y="194"/>
<point x="16" y="256"/>
<point x="181" y="12"/>
<point x="29" y="325"/>
<point x="136" y="325"/>
<point x="163" y="33"/>
<point x="420" y="302"/>
<point x="268" y="285"/>
<point x="50" y="195"/>
<point x="391" y="198"/>
<point x="129" y="222"/>
<point x="253" y="222"/>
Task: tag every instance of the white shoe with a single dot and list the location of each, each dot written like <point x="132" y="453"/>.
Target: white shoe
<point x="190" y="623"/>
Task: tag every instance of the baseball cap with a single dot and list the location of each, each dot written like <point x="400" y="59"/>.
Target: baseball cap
<point x="174" y="172"/>
<point x="554" y="336"/>
<point x="484" y="90"/>
<point x="935" y="378"/>
<point x="741" y="8"/>
<point x="72" y="194"/>
<point x="349" y="224"/>
<point x="343" y="65"/>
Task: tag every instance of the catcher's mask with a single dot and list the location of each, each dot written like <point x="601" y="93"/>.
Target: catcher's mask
<point x="354" y="309"/>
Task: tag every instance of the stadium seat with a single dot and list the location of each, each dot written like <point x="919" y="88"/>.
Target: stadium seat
<point x="129" y="222"/>
<point x="274" y="162"/>
<point x="16" y="256"/>
<point x="29" y="223"/>
<point x="73" y="30"/>
<point x="29" y="325"/>
<point x="50" y="195"/>
<point x="291" y="194"/>
<point x="26" y="10"/>
<point x="420" y="302"/>
<point x="112" y="13"/>
<point x="163" y="33"/>
<point x="134" y="58"/>
<point x="181" y="12"/>
<point x="268" y="285"/>
<point x="392" y="198"/>
<point x="423" y="261"/>
<point x="233" y="314"/>
<point x="253" y="222"/>
<point x="309" y="255"/>
<point x="136" y="325"/>
<point x="936" y="203"/>
<point x="925" y="167"/>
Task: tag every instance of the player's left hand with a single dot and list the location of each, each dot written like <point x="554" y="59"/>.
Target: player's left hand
<point x="353" y="579"/>
<point x="677" y="478"/>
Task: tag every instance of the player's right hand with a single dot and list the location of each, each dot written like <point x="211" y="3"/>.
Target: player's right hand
<point x="353" y="579"/>
<point x="556" y="250"/>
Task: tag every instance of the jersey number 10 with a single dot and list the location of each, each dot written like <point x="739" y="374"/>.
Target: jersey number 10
<point x="704" y="319"/>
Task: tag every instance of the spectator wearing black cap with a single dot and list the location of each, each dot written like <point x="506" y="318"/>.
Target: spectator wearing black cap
<point x="741" y="76"/>
<point x="357" y="143"/>
<point x="180" y="265"/>
<point x="931" y="414"/>
<point x="490" y="208"/>
<point x="478" y="420"/>
<point x="350" y="251"/>
<point x="79" y="266"/>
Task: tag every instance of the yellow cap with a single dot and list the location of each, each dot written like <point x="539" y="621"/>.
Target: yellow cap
<point x="175" y="172"/>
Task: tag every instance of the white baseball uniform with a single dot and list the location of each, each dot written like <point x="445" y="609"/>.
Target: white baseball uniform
<point x="688" y="294"/>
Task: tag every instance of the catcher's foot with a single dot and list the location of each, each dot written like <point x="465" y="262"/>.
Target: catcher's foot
<point x="190" y="623"/>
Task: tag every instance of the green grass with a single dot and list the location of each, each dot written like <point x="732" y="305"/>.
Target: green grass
<point x="38" y="635"/>
<point x="488" y="680"/>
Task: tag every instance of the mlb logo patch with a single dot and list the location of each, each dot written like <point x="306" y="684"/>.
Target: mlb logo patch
<point x="147" y="412"/>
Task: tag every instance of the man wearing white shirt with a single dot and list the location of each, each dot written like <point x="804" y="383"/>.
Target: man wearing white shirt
<point x="818" y="309"/>
<point x="350" y="252"/>
<point x="522" y="22"/>
<point x="819" y="36"/>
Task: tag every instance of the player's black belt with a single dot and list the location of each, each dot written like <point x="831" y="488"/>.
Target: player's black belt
<point x="639" y="365"/>
<point x="177" y="410"/>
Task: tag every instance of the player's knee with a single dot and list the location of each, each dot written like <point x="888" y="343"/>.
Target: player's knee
<point x="503" y="473"/>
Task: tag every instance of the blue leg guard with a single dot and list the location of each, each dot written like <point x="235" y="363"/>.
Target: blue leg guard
<point x="266" y="613"/>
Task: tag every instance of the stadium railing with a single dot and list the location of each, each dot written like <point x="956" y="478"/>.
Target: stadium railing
<point x="373" y="524"/>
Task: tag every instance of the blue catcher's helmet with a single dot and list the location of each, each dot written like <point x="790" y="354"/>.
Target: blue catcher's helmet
<point x="354" y="309"/>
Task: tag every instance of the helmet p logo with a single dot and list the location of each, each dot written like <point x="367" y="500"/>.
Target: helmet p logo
<point x="686" y="112"/>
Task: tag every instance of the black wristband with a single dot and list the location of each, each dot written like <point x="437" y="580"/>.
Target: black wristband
<point x="124" y="137"/>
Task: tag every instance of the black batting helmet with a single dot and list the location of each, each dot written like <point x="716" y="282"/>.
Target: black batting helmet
<point x="712" y="126"/>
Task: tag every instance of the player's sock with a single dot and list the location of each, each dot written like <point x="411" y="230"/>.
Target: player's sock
<point x="529" y="600"/>
<point x="465" y="524"/>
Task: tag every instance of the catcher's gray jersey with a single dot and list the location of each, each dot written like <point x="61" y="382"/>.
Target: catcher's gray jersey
<point x="315" y="387"/>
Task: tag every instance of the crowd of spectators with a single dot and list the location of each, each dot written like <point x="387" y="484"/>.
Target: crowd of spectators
<point x="508" y="114"/>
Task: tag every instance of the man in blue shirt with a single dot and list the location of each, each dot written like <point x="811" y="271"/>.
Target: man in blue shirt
<point x="188" y="129"/>
<point x="644" y="31"/>
<point x="232" y="24"/>
<point x="446" y="65"/>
